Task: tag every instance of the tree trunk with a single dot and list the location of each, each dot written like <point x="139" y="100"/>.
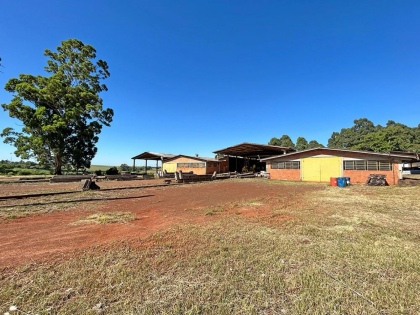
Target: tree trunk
<point x="58" y="164"/>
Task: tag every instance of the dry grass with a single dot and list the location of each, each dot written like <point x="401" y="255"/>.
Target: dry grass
<point x="107" y="217"/>
<point x="17" y="208"/>
<point x="344" y="251"/>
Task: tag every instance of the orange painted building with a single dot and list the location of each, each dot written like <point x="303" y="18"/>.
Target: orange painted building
<point x="195" y="164"/>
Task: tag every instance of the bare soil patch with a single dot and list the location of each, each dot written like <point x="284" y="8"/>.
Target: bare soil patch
<point x="49" y="236"/>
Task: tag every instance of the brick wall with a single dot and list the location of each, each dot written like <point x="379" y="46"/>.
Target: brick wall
<point x="224" y="166"/>
<point x="283" y="174"/>
<point x="360" y="177"/>
<point x="212" y="167"/>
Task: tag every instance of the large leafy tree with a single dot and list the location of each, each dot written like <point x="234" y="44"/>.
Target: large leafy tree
<point x="350" y="138"/>
<point x="393" y="137"/>
<point x="62" y="114"/>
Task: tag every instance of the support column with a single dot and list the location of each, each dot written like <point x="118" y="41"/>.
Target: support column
<point x="134" y="165"/>
<point x="145" y="171"/>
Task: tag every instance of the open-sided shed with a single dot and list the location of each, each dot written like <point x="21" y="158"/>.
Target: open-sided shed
<point x="248" y="155"/>
<point x="154" y="156"/>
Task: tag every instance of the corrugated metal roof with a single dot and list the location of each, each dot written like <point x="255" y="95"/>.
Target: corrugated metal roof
<point x="253" y="150"/>
<point x="153" y="156"/>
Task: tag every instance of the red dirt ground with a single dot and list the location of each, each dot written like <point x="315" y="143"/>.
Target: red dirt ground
<point x="45" y="237"/>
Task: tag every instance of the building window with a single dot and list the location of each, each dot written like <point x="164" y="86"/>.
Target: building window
<point x="367" y="165"/>
<point x="288" y="165"/>
<point x="191" y="165"/>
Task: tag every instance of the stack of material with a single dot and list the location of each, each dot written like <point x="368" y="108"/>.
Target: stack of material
<point x="181" y="177"/>
<point x="245" y="175"/>
<point x="263" y="174"/>
<point x="68" y="178"/>
<point x="376" y="180"/>
<point x="121" y="177"/>
<point x="165" y="174"/>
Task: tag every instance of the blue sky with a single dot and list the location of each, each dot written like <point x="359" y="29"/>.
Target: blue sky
<point x="192" y="77"/>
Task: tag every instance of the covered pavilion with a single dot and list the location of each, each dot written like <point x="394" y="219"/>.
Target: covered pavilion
<point x="154" y="156"/>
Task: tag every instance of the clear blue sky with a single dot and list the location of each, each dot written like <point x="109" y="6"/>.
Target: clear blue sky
<point x="196" y="76"/>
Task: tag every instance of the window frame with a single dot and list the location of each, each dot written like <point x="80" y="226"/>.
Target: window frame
<point x="367" y="165"/>
<point x="286" y="165"/>
<point x="191" y="165"/>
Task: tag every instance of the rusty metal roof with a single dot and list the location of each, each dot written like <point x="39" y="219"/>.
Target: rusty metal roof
<point x="153" y="156"/>
<point x="254" y="150"/>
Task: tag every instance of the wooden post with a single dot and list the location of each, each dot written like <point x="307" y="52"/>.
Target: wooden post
<point x="134" y="165"/>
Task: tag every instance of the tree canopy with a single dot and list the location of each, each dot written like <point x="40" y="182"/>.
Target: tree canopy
<point x="284" y="141"/>
<point x="62" y="114"/>
<point x="301" y="143"/>
<point x="351" y="138"/>
<point x="314" y="144"/>
<point x="364" y="135"/>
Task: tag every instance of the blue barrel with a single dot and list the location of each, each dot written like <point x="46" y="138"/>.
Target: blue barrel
<point x="341" y="181"/>
<point x="347" y="180"/>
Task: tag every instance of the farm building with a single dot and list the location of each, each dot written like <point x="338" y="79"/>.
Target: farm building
<point x="247" y="156"/>
<point x="152" y="156"/>
<point x="195" y="164"/>
<point x="320" y="164"/>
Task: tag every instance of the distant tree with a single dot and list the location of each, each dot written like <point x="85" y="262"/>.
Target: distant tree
<point x="314" y="144"/>
<point x="124" y="168"/>
<point x="112" y="171"/>
<point x="274" y="141"/>
<point x="416" y="143"/>
<point x="301" y="144"/>
<point x="284" y="141"/>
<point x="65" y="115"/>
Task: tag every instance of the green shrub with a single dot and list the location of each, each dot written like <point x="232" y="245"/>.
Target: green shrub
<point x="112" y="171"/>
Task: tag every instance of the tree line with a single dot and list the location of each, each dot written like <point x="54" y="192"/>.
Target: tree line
<point x="364" y="136"/>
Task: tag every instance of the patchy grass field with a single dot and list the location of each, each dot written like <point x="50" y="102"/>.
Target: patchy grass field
<point x="99" y="168"/>
<point x="327" y="251"/>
